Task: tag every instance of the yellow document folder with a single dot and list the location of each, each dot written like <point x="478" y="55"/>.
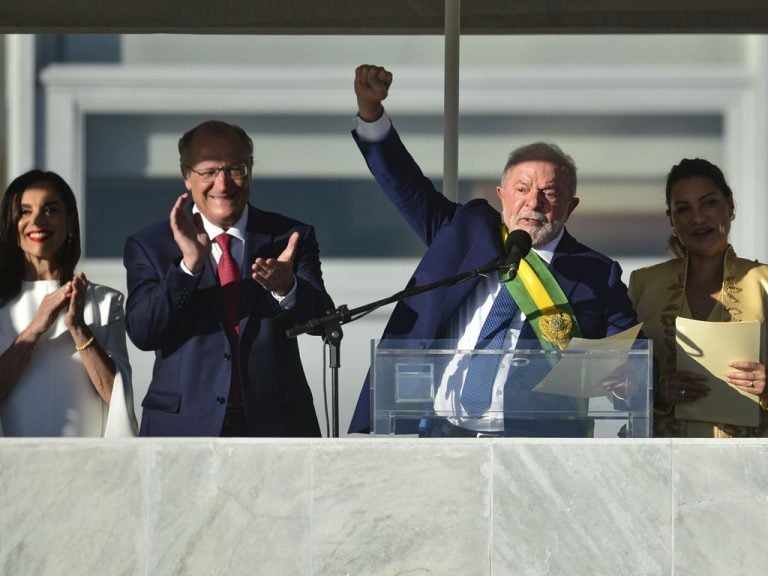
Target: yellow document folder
<point x="707" y="348"/>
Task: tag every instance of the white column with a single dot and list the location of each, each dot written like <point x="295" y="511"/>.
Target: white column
<point x="746" y="139"/>
<point x="19" y="104"/>
<point x="757" y="228"/>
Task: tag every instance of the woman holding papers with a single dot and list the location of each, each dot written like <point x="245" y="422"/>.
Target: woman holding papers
<point x="704" y="280"/>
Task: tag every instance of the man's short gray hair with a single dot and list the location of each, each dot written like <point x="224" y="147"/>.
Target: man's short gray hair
<point x="544" y="152"/>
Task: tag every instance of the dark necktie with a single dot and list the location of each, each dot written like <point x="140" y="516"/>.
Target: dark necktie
<point x="229" y="278"/>
<point x="478" y="385"/>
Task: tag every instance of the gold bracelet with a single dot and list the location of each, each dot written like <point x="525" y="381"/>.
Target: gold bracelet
<point x="84" y="345"/>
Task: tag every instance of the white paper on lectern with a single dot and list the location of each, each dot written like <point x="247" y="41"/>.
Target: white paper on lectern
<point x="586" y="364"/>
<point x="707" y="348"/>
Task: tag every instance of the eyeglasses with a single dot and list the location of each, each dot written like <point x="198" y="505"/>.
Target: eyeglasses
<point x="236" y="172"/>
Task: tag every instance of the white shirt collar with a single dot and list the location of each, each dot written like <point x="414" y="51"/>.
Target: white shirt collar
<point x="547" y="251"/>
<point x="237" y="230"/>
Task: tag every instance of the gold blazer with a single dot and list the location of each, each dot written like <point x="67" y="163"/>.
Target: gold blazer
<point x="658" y="295"/>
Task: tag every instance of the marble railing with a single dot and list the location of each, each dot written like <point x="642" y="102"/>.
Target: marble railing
<point x="383" y="506"/>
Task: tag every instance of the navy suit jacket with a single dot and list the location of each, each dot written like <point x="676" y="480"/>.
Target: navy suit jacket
<point x="181" y="318"/>
<point x="461" y="237"/>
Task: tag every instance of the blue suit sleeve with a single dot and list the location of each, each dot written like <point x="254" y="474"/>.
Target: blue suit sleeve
<point x="421" y="205"/>
<point x="157" y="299"/>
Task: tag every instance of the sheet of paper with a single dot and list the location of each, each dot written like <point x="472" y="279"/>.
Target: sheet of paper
<point x="706" y="348"/>
<point x="586" y="364"/>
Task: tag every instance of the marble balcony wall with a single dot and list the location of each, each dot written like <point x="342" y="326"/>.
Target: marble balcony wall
<point x="382" y="507"/>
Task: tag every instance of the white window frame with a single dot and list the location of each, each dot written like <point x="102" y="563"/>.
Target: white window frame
<point x="738" y="95"/>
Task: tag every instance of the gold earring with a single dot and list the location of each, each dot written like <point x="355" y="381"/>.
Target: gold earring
<point x="733" y="216"/>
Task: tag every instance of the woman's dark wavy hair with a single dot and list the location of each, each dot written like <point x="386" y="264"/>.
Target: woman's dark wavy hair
<point x="692" y="168"/>
<point x="12" y="257"/>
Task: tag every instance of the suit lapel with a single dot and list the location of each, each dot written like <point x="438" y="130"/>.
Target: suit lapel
<point x="565" y="247"/>
<point x="486" y="247"/>
<point x="255" y="241"/>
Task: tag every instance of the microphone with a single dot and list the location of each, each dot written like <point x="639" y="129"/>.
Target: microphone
<point x="518" y="244"/>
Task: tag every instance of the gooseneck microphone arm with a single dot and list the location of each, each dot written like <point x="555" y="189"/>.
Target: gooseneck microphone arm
<point x="343" y="315"/>
<point x="518" y="244"/>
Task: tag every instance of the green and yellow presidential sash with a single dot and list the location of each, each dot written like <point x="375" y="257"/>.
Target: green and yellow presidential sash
<point x="543" y="302"/>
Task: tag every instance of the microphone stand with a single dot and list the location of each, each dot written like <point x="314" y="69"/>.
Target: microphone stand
<point x="332" y="336"/>
<point x="332" y="321"/>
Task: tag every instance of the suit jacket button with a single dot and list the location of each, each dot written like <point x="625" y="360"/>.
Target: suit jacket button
<point x="220" y="400"/>
<point x="227" y="356"/>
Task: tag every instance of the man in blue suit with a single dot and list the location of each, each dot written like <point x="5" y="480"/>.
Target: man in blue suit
<point x="538" y="195"/>
<point x="212" y="290"/>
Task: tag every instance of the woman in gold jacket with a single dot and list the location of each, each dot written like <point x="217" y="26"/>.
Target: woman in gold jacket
<point x="705" y="281"/>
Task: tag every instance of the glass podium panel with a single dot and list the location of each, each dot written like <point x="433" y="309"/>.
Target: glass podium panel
<point x="605" y="391"/>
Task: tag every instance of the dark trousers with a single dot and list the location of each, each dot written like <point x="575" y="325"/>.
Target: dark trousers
<point x="235" y="422"/>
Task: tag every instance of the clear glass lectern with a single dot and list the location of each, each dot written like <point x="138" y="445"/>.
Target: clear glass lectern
<point x="602" y="389"/>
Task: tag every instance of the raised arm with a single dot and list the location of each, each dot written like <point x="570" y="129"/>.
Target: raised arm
<point x="421" y="205"/>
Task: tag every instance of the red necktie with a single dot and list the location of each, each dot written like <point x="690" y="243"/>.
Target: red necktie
<point x="229" y="278"/>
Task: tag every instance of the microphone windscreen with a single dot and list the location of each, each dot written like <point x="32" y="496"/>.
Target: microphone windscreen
<point x="519" y="238"/>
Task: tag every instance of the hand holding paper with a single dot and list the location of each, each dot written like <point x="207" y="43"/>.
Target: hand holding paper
<point x="583" y="373"/>
<point x="747" y="376"/>
<point x="708" y="348"/>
